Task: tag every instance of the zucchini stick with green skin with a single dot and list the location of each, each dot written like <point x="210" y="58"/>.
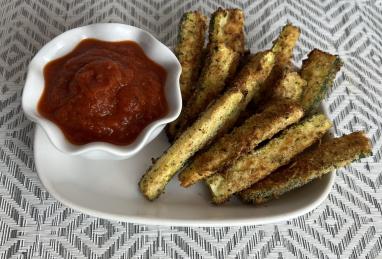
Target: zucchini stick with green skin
<point x="322" y="159"/>
<point x="319" y="71"/>
<point x="226" y="45"/>
<point x="189" y="50"/>
<point x="225" y="150"/>
<point x="258" y="164"/>
<point x="218" y="117"/>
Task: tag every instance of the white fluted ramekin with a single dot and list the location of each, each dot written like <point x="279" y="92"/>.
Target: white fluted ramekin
<point x="66" y="42"/>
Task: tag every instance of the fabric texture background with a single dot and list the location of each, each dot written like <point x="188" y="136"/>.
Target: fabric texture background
<point x="347" y="225"/>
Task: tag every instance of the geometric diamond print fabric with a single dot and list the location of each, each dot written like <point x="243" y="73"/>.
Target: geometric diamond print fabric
<point x="347" y="225"/>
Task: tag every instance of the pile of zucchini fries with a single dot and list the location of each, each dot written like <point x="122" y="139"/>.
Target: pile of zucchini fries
<point x="250" y="124"/>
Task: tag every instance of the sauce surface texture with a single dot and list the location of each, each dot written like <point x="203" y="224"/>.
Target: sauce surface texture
<point x="103" y="91"/>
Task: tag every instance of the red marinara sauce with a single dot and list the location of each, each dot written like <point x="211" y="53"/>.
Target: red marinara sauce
<point x="103" y="91"/>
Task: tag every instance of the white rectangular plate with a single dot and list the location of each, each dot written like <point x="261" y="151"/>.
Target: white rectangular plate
<point x="109" y="189"/>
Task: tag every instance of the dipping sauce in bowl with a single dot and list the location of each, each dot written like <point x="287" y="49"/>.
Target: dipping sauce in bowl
<point x="103" y="91"/>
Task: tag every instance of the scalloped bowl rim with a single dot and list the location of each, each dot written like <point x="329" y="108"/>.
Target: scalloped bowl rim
<point x="59" y="46"/>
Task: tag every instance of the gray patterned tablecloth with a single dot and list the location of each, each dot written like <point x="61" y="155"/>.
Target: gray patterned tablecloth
<point x="347" y="225"/>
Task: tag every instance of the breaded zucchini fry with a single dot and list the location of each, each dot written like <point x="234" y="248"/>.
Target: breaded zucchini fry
<point x="256" y="165"/>
<point x="322" y="159"/>
<point x="220" y="66"/>
<point x="227" y="27"/>
<point x="189" y="50"/>
<point x="319" y="71"/>
<point x="218" y="117"/>
<point x="241" y="140"/>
